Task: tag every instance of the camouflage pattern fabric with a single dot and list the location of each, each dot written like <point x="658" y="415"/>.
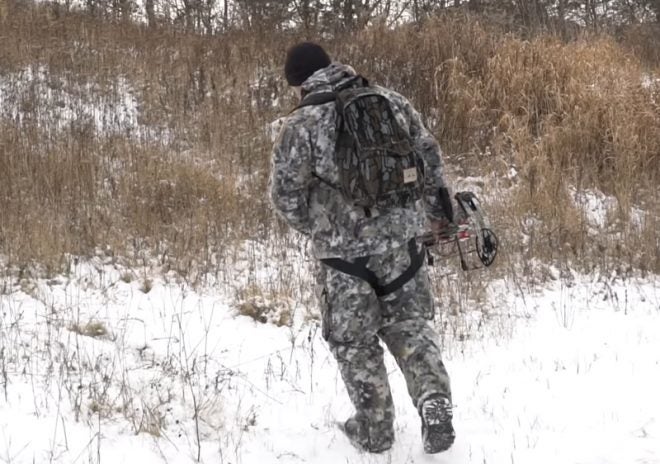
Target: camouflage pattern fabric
<point x="354" y="320"/>
<point x="374" y="152"/>
<point x="304" y="154"/>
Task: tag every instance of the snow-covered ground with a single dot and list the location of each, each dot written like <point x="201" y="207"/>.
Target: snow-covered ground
<point x="94" y="369"/>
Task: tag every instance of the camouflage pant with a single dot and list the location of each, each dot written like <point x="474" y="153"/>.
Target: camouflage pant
<point x="354" y="319"/>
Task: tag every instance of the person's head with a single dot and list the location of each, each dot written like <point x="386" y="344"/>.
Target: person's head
<point x="303" y="60"/>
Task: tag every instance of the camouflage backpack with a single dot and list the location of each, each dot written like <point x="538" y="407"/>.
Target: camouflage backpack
<point x="378" y="166"/>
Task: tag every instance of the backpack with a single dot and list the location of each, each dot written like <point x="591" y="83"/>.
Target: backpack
<point x="378" y="166"/>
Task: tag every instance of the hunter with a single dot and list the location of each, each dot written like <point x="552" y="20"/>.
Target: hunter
<point x="372" y="277"/>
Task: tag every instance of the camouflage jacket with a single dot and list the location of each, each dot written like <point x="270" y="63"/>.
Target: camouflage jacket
<point x="304" y="152"/>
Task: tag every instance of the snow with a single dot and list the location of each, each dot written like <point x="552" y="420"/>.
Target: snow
<point x="599" y="210"/>
<point x="64" y="102"/>
<point x="650" y="82"/>
<point x="595" y="206"/>
<point x="56" y="102"/>
<point x="565" y="373"/>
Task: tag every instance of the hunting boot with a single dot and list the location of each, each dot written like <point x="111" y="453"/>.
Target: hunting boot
<point x="359" y="434"/>
<point x="437" y="431"/>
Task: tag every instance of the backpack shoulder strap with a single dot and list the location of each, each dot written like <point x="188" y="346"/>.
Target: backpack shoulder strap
<point x="354" y="82"/>
<point x="321" y="98"/>
<point x="317" y="99"/>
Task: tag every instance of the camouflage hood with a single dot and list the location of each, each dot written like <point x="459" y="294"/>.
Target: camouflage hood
<point x="328" y="78"/>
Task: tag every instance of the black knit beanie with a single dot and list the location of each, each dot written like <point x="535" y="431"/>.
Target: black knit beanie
<point x="303" y="60"/>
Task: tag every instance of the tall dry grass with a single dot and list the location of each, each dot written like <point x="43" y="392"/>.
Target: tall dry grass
<point x="187" y="184"/>
<point x="183" y="187"/>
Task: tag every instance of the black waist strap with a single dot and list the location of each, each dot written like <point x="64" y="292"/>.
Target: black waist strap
<point x="358" y="268"/>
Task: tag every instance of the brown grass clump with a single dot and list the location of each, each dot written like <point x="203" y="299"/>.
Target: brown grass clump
<point x="265" y="307"/>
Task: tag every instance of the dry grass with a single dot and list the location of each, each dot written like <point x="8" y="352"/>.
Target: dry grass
<point x="644" y="41"/>
<point x="565" y="116"/>
<point x="187" y="184"/>
<point x="265" y="307"/>
<point x="178" y="190"/>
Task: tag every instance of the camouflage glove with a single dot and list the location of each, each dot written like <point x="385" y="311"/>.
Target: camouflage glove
<point x="443" y="229"/>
